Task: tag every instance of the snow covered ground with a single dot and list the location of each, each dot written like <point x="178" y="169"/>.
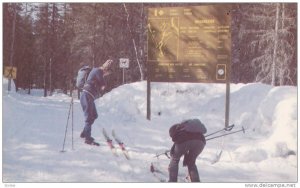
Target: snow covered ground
<point x="34" y="127"/>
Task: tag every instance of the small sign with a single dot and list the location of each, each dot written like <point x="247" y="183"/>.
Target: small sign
<point x="124" y="63"/>
<point x="10" y="72"/>
<point x="221" y="72"/>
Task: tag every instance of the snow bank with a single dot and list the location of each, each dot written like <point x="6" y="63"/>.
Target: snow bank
<point x="275" y="125"/>
<point x="34" y="127"/>
<point x="269" y="114"/>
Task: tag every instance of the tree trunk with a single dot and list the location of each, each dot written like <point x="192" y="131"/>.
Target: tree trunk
<point x="94" y="35"/>
<point x="52" y="48"/>
<point x="29" y="78"/>
<point x="50" y="76"/>
<point x="282" y="64"/>
<point x="47" y="54"/>
<point x="65" y="67"/>
<point x="45" y="78"/>
<point x="273" y="71"/>
<point x="12" y="47"/>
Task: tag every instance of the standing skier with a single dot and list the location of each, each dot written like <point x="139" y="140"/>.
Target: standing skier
<point x="189" y="141"/>
<point x="92" y="89"/>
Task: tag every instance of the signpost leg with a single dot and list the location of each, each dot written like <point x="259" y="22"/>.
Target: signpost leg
<point x="9" y="84"/>
<point x="227" y="103"/>
<point x="123" y="76"/>
<point x="148" y="99"/>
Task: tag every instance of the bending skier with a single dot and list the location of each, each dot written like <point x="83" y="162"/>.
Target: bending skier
<point x="189" y="141"/>
<point x="91" y="91"/>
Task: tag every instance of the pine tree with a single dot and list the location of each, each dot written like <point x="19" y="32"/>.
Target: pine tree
<point x="269" y="41"/>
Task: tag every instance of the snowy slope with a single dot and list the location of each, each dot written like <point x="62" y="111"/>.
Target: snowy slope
<point x="34" y="127"/>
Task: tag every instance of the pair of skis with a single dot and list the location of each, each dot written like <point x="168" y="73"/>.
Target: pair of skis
<point x="110" y="143"/>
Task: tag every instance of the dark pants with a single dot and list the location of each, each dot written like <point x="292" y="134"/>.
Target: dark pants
<point x="192" y="149"/>
<point x="90" y="112"/>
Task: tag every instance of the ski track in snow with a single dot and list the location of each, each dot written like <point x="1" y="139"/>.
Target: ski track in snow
<point x="34" y="127"/>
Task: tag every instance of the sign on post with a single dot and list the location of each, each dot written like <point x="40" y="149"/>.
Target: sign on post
<point x="10" y="72"/>
<point x="189" y="44"/>
<point x="124" y="64"/>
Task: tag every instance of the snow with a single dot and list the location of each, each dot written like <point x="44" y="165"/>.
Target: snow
<point x="34" y="127"/>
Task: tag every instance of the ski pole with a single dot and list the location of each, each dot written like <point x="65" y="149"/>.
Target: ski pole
<point x="165" y="153"/>
<point x="226" y="134"/>
<point x="226" y="128"/>
<point x="229" y="128"/>
<point x="63" y="148"/>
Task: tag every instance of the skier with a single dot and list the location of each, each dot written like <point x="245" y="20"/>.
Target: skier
<point x="92" y="89"/>
<point x="189" y="140"/>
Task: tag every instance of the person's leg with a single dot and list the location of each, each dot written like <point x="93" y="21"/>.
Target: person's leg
<point x="90" y="114"/>
<point x="193" y="172"/>
<point x="176" y="154"/>
<point x="195" y="148"/>
<point x="173" y="169"/>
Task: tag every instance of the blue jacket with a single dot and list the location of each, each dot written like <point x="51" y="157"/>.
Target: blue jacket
<point x="94" y="83"/>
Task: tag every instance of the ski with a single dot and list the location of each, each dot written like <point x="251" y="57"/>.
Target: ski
<point x="217" y="158"/>
<point x="162" y="176"/>
<point x="109" y="142"/>
<point x="158" y="174"/>
<point x="121" y="145"/>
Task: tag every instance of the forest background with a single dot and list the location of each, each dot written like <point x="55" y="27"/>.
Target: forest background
<point x="48" y="42"/>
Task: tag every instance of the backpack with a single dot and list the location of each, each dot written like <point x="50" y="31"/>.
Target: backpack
<point x="189" y="126"/>
<point x="82" y="76"/>
<point x="193" y="125"/>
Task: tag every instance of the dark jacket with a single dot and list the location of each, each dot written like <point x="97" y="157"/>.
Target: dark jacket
<point x="94" y="82"/>
<point x="192" y="129"/>
<point x="188" y="130"/>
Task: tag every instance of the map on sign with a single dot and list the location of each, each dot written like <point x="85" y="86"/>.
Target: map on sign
<point x="189" y="44"/>
<point x="163" y="33"/>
